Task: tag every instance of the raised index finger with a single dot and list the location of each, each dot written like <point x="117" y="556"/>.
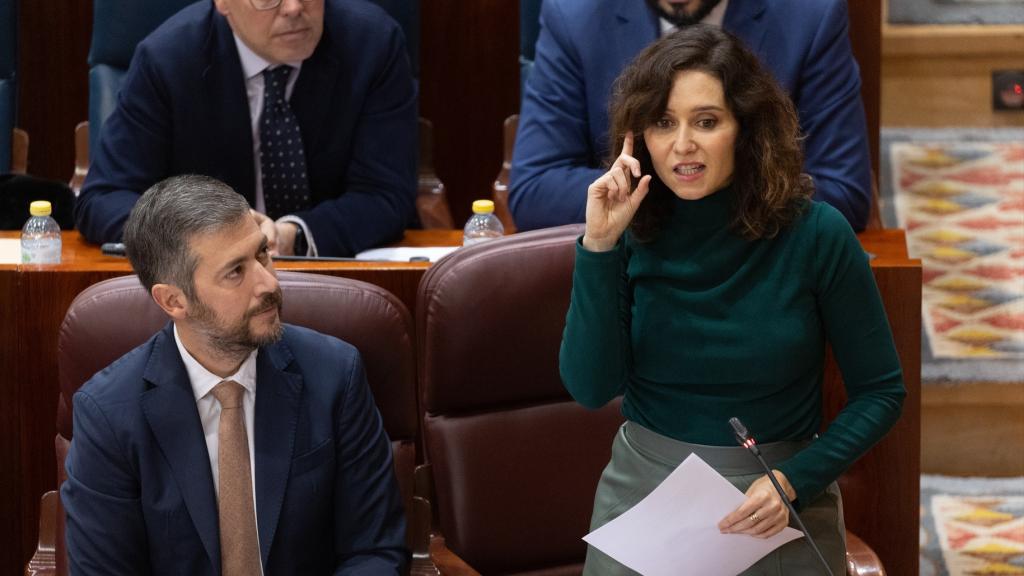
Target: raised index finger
<point x="627" y="143"/>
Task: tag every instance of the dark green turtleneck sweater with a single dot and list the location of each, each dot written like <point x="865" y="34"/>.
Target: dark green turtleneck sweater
<point x="701" y="325"/>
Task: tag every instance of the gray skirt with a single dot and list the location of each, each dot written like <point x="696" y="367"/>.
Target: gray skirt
<point x="642" y="458"/>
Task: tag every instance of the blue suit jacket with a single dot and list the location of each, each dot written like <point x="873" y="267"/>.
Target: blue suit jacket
<point x="140" y="498"/>
<point x="562" y="139"/>
<point x="183" y="109"/>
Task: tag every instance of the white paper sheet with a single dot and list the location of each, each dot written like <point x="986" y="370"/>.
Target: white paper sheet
<point x="10" y="251"/>
<point x="674" y="530"/>
<point x="405" y="253"/>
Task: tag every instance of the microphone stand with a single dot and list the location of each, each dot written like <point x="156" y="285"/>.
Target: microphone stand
<point x="748" y="442"/>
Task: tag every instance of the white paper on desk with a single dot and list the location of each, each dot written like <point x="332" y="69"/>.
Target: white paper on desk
<point x="10" y="251"/>
<point x="404" y="253"/>
<point x="674" y="530"/>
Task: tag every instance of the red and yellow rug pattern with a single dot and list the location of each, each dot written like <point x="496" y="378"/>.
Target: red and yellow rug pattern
<point x="972" y="535"/>
<point x="962" y="205"/>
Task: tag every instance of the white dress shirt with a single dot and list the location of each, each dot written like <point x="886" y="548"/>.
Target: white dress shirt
<point x="203" y="381"/>
<point x="253" y="66"/>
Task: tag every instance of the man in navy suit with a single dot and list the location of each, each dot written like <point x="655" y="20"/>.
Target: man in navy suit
<point x="145" y="490"/>
<point x="193" y="101"/>
<point x="561" y="143"/>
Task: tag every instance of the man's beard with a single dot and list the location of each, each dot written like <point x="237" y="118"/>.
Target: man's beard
<point x="236" y="339"/>
<point x="680" y="17"/>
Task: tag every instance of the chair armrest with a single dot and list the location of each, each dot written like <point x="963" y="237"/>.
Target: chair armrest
<point x="419" y="518"/>
<point x="447" y="562"/>
<point x="875" y="214"/>
<point x="499" y="190"/>
<point x="81" y="157"/>
<point x="861" y="560"/>
<point x="44" y="562"/>
<point x="431" y="199"/>
<point x="19" y="151"/>
<point x="430" y="554"/>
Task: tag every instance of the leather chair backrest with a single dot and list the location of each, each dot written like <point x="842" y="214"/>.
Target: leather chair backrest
<point x="8" y="76"/>
<point x="529" y="29"/>
<point x="117" y="27"/>
<point x="112" y="317"/>
<point x="407" y="14"/>
<point x="515" y="460"/>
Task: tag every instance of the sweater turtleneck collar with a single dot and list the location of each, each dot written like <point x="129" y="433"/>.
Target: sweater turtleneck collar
<point x="712" y="211"/>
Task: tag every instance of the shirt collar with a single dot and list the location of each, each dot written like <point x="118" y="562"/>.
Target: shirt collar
<point x="252" y="63"/>
<point x="203" y="380"/>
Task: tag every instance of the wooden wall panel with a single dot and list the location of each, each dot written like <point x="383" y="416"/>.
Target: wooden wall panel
<point x="53" y="90"/>
<point x="866" y="37"/>
<point x="11" y="552"/>
<point x="469" y="58"/>
<point x="940" y="76"/>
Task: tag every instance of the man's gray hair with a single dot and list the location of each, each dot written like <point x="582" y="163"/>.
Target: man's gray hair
<point x="165" y="220"/>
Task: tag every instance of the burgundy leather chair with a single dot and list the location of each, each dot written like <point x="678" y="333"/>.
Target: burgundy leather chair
<point x="114" y="316"/>
<point x="513" y="460"/>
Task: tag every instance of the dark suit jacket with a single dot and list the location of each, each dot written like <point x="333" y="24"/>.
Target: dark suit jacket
<point x="140" y="498"/>
<point x="562" y="139"/>
<point x="183" y="109"/>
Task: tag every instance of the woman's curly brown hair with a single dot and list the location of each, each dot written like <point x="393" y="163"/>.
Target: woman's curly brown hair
<point x="770" y="189"/>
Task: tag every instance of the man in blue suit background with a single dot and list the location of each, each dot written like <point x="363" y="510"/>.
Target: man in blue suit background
<point x="153" y="485"/>
<point x="561" y="143"/>
<point x="195" y="100"/>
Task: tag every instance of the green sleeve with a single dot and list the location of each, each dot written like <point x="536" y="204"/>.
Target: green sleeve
<point x="857" y="328"/>
<point x="594" y="359"/>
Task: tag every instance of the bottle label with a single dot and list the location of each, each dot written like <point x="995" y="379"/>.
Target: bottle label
<point x="44" y="254"/>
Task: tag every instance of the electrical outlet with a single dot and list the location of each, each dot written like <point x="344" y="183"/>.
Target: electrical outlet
<point x="1008" y="90"/>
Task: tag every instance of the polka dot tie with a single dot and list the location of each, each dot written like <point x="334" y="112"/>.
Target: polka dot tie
<point x="282" y="159"/>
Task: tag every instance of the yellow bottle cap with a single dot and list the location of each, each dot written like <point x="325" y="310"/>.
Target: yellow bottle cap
<point x="40" y="208"/>
<point x="483" y="207"/>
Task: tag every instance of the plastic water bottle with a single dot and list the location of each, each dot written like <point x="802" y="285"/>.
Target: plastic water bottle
<point x="482" y="225"/>
<point x="40" y="238"/>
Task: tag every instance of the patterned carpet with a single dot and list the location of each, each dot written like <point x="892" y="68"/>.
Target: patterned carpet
<point x="960" y="197"/>
<point x="972" y="526"/>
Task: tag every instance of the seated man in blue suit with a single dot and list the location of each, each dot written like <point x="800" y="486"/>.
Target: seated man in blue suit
<point x="229" y="443"/>
<point x="561" y="143"/>
<point x="306" y="107"/>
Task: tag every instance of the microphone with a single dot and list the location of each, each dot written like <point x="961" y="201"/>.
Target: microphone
<point x="747" y="441"/>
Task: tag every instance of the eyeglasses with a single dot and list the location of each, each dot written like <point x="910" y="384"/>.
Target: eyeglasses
<point x="268" y="4"/>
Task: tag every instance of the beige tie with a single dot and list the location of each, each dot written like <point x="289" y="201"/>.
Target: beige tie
<point x="239" y="543"/>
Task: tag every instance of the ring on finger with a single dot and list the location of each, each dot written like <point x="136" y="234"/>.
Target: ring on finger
<point x="754" y="518"/>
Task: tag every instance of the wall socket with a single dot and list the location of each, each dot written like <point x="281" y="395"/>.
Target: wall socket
<point x="1008" y="90"/>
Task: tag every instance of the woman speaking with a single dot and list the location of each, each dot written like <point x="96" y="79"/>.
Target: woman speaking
<point x="707" y="285"/>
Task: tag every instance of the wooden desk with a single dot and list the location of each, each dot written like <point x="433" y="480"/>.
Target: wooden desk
<point x="33" y="301"/>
